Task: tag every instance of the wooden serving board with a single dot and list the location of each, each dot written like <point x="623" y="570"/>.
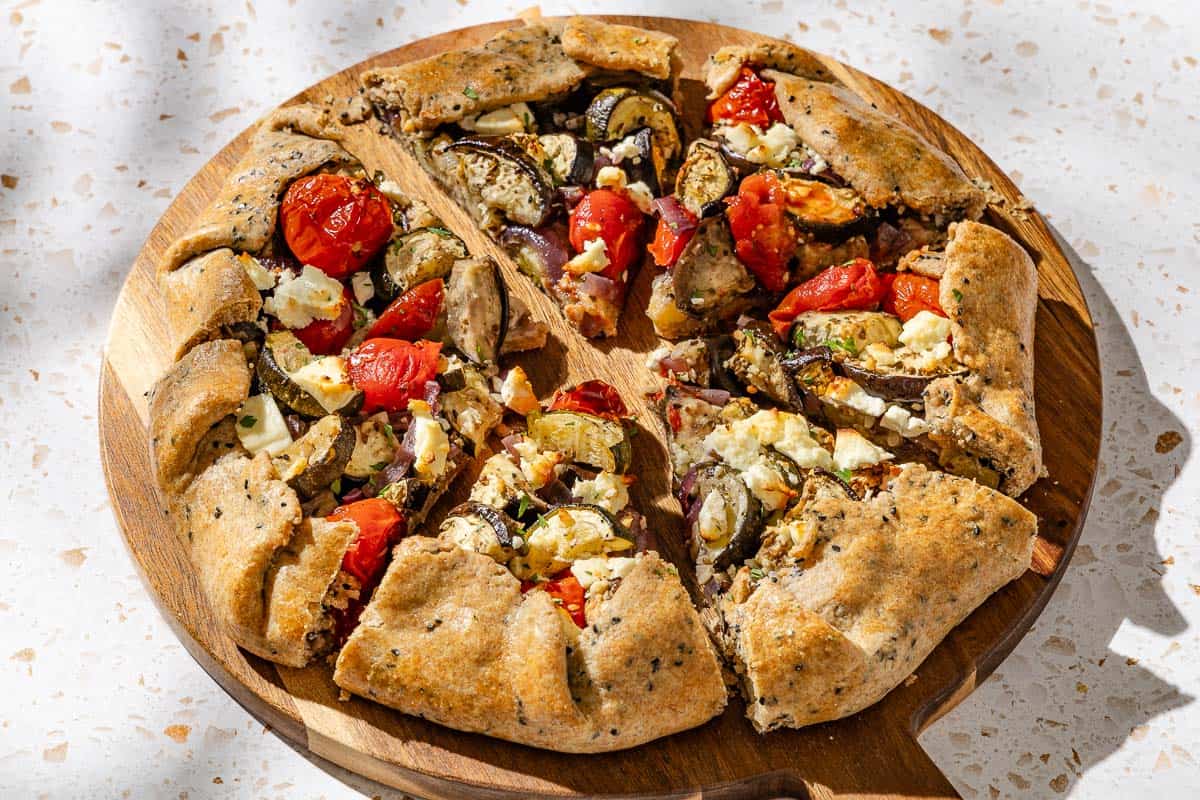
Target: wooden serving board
<point x="871" y="754"/>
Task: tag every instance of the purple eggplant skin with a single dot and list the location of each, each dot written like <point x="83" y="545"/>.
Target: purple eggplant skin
<point x="705" y="180"/>
<point x="747" y="512"/>
<point x="504" y="526"/>
<point x="581" y="167"/>
<point x="897" y="387"/>
<point x="757" y="361"/>
<point x="831" y="482"/>
<point x="505" y="149"/>
<point x="477" y="309"/>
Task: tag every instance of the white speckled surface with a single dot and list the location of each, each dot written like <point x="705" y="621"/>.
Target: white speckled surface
<point x="108" y="108"/>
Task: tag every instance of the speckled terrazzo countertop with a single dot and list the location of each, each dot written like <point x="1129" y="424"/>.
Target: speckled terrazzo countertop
<point x="108" y="109"/>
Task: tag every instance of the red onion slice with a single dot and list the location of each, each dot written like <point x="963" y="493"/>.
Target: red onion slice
<point x="544" y="245"/>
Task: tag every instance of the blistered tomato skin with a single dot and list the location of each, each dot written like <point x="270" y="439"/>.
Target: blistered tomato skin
<point x="763" y="234"/>
<point x="567" y="592"/>
<point x="326" y="337"/>
<point x="750" y="99"/>
<point x="909" y="295"/>
<point x="855" y="285"/>
<point x="335" y="223"/>
<point x="413" y="314"/>
<point x="591" y="397"/>
<point x="612" y="217"/>
<point x="391" y="372"/>
<point x="380" y="525"/>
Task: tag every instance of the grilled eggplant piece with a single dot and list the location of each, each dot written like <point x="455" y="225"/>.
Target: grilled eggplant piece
<point x="469" y="407"/>
<point x="416" y="498"/>
<point x="648" y="165"/>
<point x="415" y="257"/>
<point x="708" y="277"/>
<point x="282" y="354"/>
<point x="688" y="418"/>
<point x="825" y="210"/>
<point x="317" y="458"/>
<point x="501" y="484"/>
<point x="482" y="529"/>
<point x="757" y="361"/>
<point x="593" y="441"/>
<point x="890" y="386"/>
<point x="502" y="174"/>
<point x="721" y="349"/>
<point x="724" y="517"/>
<point x="374" y="447"/>
<point x="704" y="180"/>
<point x="845" y="331"/>
<point x="572" y="159"/>
<point x="477" y="309"/>
<point x="567" y="533"/>
<point x="617" y="112"/>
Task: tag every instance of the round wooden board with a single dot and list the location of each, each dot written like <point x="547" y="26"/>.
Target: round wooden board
<point x="869" y="754"/>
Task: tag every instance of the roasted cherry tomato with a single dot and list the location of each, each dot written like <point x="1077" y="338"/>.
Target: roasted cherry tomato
<point x="763" y="234"/>
<point x="412" y="314"/>
<point x="909" y="294"/>
<point x="750" y="99"/>
<point x="590" y="397"/>
<point x="854" y="285"/>
<point x="380" y="525"/>
<point x="614" y="218"/>
<point x="567" y="592"/>
<point x="335" y="223"/>
<point x="326" y="337"/>
<point x="390" y="372"/>
<point x="670" y="240"/>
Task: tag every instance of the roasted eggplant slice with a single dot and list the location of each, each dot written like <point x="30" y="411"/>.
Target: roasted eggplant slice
<point x="502" y="174"/>
<point x="889" y="386"/>
<point x="469" y="407"/>
<point x="374" y="447"/>
<point x="708" y="277"/>
<point x="415" y="257"/>
<point x="568" y="533"/>
<point x="477" y="309"/>
<point x="845" y="332"/>
<point x="317" y="458"/>
<point x="416" y="498"/>
<point x="704" y="180"/>
<point x="757" y="361"/>
<point x="593" y="441"/>
<point x="823" y="209"/>
<point x="482" y="529"/>
<point x="282" y="353"/>
<point x="647" y="165"/>
<point x="688" y="417"/>
<point x="725" y="518"/>
<point x="572" y="160"/>
<point x="617" y="112"/>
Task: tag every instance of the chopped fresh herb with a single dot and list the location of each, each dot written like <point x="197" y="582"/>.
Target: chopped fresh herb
<point x="360" y="315"/>
<point x="248" y="421"/>
<point x="639" y="40"/>
<point x="697" y="295"/>
<point x="799" y="337"/>
<point x="712" y="249"/>
<point x="387" y="428"/>
<point x="845" y="474"/>
<point x="957" y="294"/>
<point x="848" y="345"/>
<point x="336" y="486"/>
<point x="548" y="164"/>
<point x="470" y="92"/>
<point x="528" y="120"/>
<point x="378" y="465"/>
<point x="439" y="231"/>
<point x="524" y="505"/>
<point x="757" y="574"/>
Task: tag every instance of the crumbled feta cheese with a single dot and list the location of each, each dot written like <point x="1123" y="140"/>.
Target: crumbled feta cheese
<point x="327" y="381"/>
<point x="516" y="118"/>
<point x="431" y="445"/>
<point x="903" y="422"/>
<point x="848" y="394"/>
<point x="539" y="468"/>
<point x="517" y="393"/>
<point x="260" y="425"/>
<point x="626" y="149"/>
<point x="300" y="300"/>
<point x="739" y="443"/>
<point x="880" y="354"/>
<point x="564" y="537"/>
<point x="772" y="147"/>
<point x="605" y="490"/>
<point x="736" y="444"/>
<point x="599" y="572"/>
<point x="362" y="286"/>
<point x="593" y="258"/>
<point x="713" y="523"/>
<point x="615" y="178"/>
<point x="852" y="450"/>
<point x="925" y="331"/>
<point x="499" y="480"/>
<point x="768" y="484"/>
<point x="641" y="196"/>
<point x="262" y="278"/>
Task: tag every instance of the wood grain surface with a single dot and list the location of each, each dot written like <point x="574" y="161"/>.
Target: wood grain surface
<point x="870" y="754"/>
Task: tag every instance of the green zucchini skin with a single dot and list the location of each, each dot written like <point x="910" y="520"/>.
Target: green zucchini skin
<point x="619" y="111"/>
<point x="593" y="441"/>
<point x="704" y="180"/>
<point x="282" y="353"/>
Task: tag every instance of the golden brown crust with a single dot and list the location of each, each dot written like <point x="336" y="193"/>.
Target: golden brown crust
<point x="196" y="393"/>
<point x="264" y="570"/>
<point x="888" y="162"/>
<point x="989" y="291"/>
<point x="722" y="67"/>
<point x="514" y="66"/>
<point x="884" y="581"/>
<point x="619" y="47"/>
<point x="290" y="142"/>
<point x="449" y="636"/>
<point x="205" y="297"/>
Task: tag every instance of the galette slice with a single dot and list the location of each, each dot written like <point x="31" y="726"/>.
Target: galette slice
<point x="555" y="138"/>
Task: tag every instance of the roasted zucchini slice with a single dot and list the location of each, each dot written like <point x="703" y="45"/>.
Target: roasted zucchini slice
<point x="483" y="529"/>
<point x="413" y="258"/>
<point x="477" y="309"/>
<point x="504" y="176"/>
<point x="824" y="209"/>
<point x="282" y="353"/>
<point x="619" y="111"/>
<point x="567" y="533"/>
<point x="724" y="516"/>
<point x="572" y="160"/>
<point x="593" y="441"/>
<point x="317" y="458"/>
<point x="374" y="447"/>
<point x="704" y="180"/>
